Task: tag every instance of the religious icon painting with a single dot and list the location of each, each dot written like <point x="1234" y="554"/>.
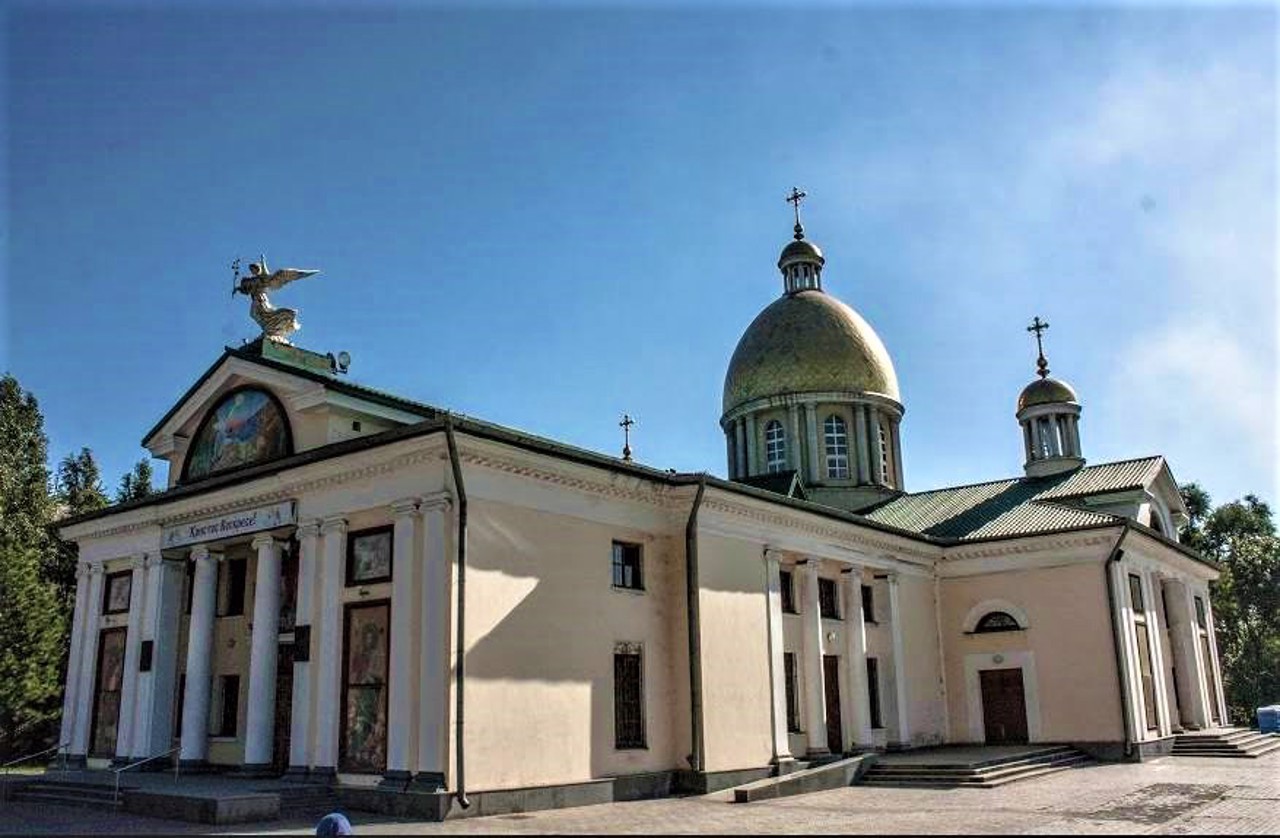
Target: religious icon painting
<point x="369" y="557"/>
<point x="118" y="589"/>
<point x="247" y="426"/>
<point x="364" y="739"/>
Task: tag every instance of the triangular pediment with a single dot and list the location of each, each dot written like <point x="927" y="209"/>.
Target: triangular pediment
<point x="307" y="405"/>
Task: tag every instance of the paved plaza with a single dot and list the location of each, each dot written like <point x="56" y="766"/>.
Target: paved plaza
<point x="1168" y="796"/>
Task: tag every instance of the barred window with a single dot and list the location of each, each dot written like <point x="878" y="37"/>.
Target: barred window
<point x="793" y="699"/>
<point x="627" y="566"/>
<point x="787" y="589"/>
<point x="775" y="447"/>
<point x="836" y="436"/>
<point x="628" y="697"/>
<point x="828" y="599"/>
<point x="996" y="621"/>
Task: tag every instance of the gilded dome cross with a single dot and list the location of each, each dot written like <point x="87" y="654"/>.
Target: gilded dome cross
<point x="1039" y="328"/>
<point x="794" y="199"/>
<point x="626" y="424"/>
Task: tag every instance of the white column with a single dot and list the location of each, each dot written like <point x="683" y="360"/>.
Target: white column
<point x="329" y="647"/>
<point x="434" y="642"/>
<point x="74" y="663"/>
<point x="88" y="662"/>
<point x="794" y="448"/>
<point x="300" y="716"/>
<point x="1183" y="639"/>
<point x="195" y="705"/>
<point x="752" y="455"/>
<point x="814" y="686"/>
<point x="142" y="709"/>
<point x="153" y="719"/>
<point x="817" y="456"/>
<point x="1219" y="693"/>
<point x="855" y="655"/>
<point x="730" y="455"/>
<point x="1155" y="636"/>
<point x="873" y="435"/>
<point x="777" y="669"/>
<point x="899" y="663"/>
<point x="1128" y="671"/>
<point x="895" y="433"/>
<point x="861" y="449"/>
<point x="402" y="677"/>
<point x="740" y="446"/>
<point x="129" y="674"/>
<point x="264" y="648"/>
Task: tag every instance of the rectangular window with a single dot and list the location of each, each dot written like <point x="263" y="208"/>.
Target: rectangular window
<point x="627" y="566"/>
<point x="788" y="591"/>
<point x="628" y="698"/>
<point x="790" y="685"/>
<point x="868" y="604"/>
<point x="116" y="589"/>
<point x="873" y="692"/>
<point x="237" y="575"/>
<point x="1135" y="594"/>
<point x="828" y="599"/>
<point x="229" y="706"/>
<point x="1201" y="620"/>
<point x="369" y="556"/>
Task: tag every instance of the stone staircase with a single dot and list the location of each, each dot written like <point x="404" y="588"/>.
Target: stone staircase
<point x="67" y="793"/>
<point x="1230" y="742"/>
<point x="308" y="802"/>
<point x="986" y="774"/>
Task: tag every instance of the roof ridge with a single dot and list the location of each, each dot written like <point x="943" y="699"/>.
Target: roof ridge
<point x="1055" y="502"/>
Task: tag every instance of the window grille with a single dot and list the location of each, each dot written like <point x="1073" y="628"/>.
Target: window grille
<point x="828" y="599"/>
<point x="775" y="447"/>
<point x="628" y="566"/>
<point x="996" y="621"/>
<point x="836" y="436"/>
<point x="628" y="697"/>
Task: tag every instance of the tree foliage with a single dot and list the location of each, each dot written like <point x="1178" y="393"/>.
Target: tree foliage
<point x="78" y="490"/>
<point x="1241" y="536"/>
<point x="136" y="484"/>
<point x="33" y="622"/>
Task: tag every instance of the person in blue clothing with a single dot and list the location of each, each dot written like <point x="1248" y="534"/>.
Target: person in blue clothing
<point x="334" y="823"/>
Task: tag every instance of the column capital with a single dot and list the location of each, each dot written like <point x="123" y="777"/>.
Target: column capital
<point x="262" y="540"/>
<point x="94" y="569"/>
<point x="153" y="559"/>
<point x="82" y="570"/>
<point x="308" y="529"/>
<point x="200" y="553"/>
<point x="852" y="570"/>
<point x="405" y="507"/>
<point x="333" y="525"/>
<point x="138" y="561"/>
<point x="773" y="555"/>
<point x="441" y="501"/>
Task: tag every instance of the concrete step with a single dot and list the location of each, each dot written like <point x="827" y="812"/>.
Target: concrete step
<point x="989" y="774"/>
<point x="1051" y="751"/>
<point x="934" y="783"/>
<point x="72" y="789"/>
<point x="1241" y="743"/>
<point x="33" y="795"/>
<point x="945" y="769"/>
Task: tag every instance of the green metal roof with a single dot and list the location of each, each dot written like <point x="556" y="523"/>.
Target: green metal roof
<point x="1017" y="506"/>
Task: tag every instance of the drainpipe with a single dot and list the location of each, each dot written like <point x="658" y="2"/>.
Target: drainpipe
<point x="692" y="586"/>
<point x="460" y="655"/>
<point x="1118" y="638"/>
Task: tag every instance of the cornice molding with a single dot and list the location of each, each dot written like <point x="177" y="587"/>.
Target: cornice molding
<point x="1030" y="544"/>
<point x="641" y="490"/>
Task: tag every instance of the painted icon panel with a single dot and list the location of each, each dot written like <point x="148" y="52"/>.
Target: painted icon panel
<point x="246" y="427"/>
<point x="364" y="728"/>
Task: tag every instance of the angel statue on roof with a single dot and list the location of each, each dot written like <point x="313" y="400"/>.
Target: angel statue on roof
<point x="277" y="323"/>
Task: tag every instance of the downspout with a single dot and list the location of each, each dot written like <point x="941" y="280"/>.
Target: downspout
<point x="692" y="586"/>
<point x="460" y="654"/>
<point x="1118" y="638"/>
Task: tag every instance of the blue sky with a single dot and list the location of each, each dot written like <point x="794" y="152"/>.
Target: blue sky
<point x="547" y="218"/>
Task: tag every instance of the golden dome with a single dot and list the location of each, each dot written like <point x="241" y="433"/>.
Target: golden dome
<point x="1046" y="391"/>
<point x="808" y="342"/>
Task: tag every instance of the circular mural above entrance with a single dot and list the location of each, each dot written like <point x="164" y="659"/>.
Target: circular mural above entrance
<point x="248" y="426"/>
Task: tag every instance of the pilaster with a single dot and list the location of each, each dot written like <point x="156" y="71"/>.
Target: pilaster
<point x="88" y="662"/>
<point x="903" y="732"/>
<point x="301" y="714"/>
<point x="403" y="674"/>
<point x="433" y="647"/>
<point x="777" y="669"/>
<point x="129" y="674"/>
<point x="855" y="638"/>
<point x="71" y="692"/>
<point x="816" y="454"/>
<point x="329" y="649"/>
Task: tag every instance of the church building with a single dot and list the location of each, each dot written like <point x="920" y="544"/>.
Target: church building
<point x="340" y="585"/>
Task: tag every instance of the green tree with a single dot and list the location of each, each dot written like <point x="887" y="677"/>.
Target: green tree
<point x="137" y="483"/>
<point x="32" y="616"/>
<point x="1241" y="537"/>
<point x="78" y="490"/>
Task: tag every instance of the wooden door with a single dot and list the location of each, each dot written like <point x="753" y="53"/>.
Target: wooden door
<point x="1004" y="706"/>
<point x="831" y="683"/>
<point x="284" y="707"/>
<point x="364" y="689"/>
<point x="106" y="694"/>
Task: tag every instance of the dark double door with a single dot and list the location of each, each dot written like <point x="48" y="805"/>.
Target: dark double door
<point x="831" y="686"/>
<point x="1004" y="706"/>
